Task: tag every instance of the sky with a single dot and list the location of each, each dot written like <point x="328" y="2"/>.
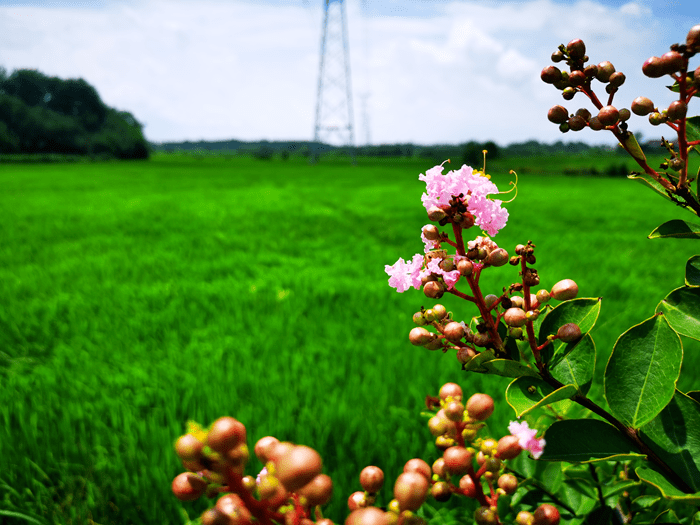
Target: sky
<point x="422" y="71"/>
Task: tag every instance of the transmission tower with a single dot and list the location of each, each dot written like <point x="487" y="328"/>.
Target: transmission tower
<point x="334" y="116"/>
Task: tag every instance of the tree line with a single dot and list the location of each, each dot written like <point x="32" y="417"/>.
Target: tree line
<point x="43" y="114"/>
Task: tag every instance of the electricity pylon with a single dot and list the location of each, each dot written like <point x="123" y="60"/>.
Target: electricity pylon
<point x="334" y="116"/>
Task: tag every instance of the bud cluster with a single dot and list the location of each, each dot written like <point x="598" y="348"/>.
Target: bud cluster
<point x="580" y="76"/>
<point x="287" y="490"/>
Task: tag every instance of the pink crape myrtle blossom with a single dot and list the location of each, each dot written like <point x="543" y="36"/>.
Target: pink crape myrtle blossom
<point x="404" y="275"/>
<point x="488" y="214"/>
<point x="450" y="278"/>
<point x="526" y="438"/>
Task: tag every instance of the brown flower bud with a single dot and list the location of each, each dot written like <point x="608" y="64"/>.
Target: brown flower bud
<point x="225" y="434"/>
<point x="563" y="290"/>
<point x="550" y="74"/>
<point x="298" y="467"/>
<point x="433" y="289"/>
<point x="591" y="71"/>
<point x="605" y="69"/>
<point x="546" y="515"/>
<point x="656" y="118"/>
<point x="318" y="491"/>
<point x="410" y="490"/>
<point x="642" y="106"/>
<point x="497" y="257"/>
<point x="608" y="115"/>
<point x="439" y="468"/>
<point x="419" y="466"/>
<point x="480" y="407"/>
<point x="576" y="123"/>
<point x="457" y="460"/>
<point x="367" y="516"/>
<point x="508" y="483"/>
<point x="441" y="491"/>
<point x="188" y="448"/>
<point x="617" y="79"/>
<point x="583" y="113"/>
<point x="486" y="516"/>
<point x="419" y="336"/>
<point x="188" y="486"/>
<point x="677" y="110"/>
<point x="557" y="56"/>
<point x="568" y="93"/>
<point x="653" y="68"/>
<point x="595" y="124"/>
<point x="524" y="518"/>
<point x="372" y="479"/>
<point x="465" y="267"/>
<point x="558" y="114"/>
<point x="436" y="214"/>
<point x="467" y="486"/>
<point x="569" y="332"/>
<point x="576" y="49"/>
<point x="577" y="78"/>
<point x="671" y="62"/>
<point x="233" y="507"/>
<point x="452" y="390"/>
<point x="453" y="331"/>
<point x="692" y="40"/>
<point x="431" y="232"/>
<point x="508" y="447"/>
<point x="624" y="115"/>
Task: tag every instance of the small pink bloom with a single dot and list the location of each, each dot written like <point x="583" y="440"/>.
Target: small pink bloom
<point x="526" y="438"/>
<point x="403" y="275"/>
<point x="450" y="278"/>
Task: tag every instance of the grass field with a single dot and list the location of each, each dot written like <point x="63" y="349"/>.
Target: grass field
<point x="138" y="295"/>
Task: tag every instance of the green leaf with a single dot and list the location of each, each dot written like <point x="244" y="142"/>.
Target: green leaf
<point x="692" y="271"/>
<point x="527" y="393"/>
<point x="667" y="490"/>
<point x="506" y="368"/>
<point x="577" y="366"/>
<point x="641" y="374"/>
<point x="586" y="440"/>
<point x="633" y="147"/>
<point x="667" y="516"/>
<point x="694" y="394"/>
<point x="584" y="312"/>
<point x="648" y="180"/>
<point x="674" y="435"/>
<point x="682" y="310"/>
<point x="676" y="229"/>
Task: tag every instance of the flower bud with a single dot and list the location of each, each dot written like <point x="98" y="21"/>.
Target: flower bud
<point x="419" y="319"/>
<point x="642" y="106"/>
<point x="656" y="118"/>
<point x="431" y="232"/>
<point x="617" y="79"/>
<point x="653" y="68"/>
<point x="576" y="49"/>
<point x="568" y="93"/>
<point x="233" y="507"/>
<point x="591" y="71"/>
<point x="508" y="482"/>
<point x="577" y="78"/>
<point x="457" y="460"/>
<point x="557" y="56"/>
<point x="453" y="331"/>
<point x="465" y="267"/>
<point x="595" y="124"/>
<point x="677" y="110"/>
<point x="550" y="74"/>
<point x="419" y="466"/>
<point x="542" y="296"/>
<point x="608" y="115"/>
<point x="298" y="467"/>
<point x="490" y="300"/>
<point x="558" y="115"/>
<point x="671" y="62"/>
<point x="508" y="447"/>
<point x="188" y="486"/>
<point x="419" y="336"/>
<point x="439" y="311"/>
<point x="436" y="214"/>
<point x="467" y="486"/>
<point x="480" y="407"/>
<point x="188" y="448"/>
<point x="564" y="290"/>
<point x="367" y="516"/>
<point x="212" y="516"/>
<point x="372" y="479"/>
<point x="692" y="40"/>
<point x="411" y="490"/>
<point x="433" y="289"/>
<point x="452" y="390"/>
<point x="546" y="515"/>
<point x="605" y="70"/>
<point x="576" y="123"/>
<point x="515" y="317"/>
<point x="524" y="518"/>
<point x="226" y="433"/>
<point x="441" y="491"/>
<point x="497" y="257"/>
<point x="486" y="516"/>
<point x="318" y="491"/>
<point x="517" y="301"/>
<point x="569" y="332"/>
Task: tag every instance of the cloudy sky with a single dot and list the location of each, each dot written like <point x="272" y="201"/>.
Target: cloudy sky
<point x="423" y="71"/>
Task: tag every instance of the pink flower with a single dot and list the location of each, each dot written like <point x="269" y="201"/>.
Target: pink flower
<point x="474" y="188"/>
<point x="450" y="278"/>
<point x="403" y="275"/>
<point x="526" y="438"/>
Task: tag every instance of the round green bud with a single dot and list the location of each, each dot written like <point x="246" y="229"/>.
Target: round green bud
<point x="486" y="516"/>
<point x="542" y="296"/>
<point x="439" y="311"/>
<point x="419" y="319"/>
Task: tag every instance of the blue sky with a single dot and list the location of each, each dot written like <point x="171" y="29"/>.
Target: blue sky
<point x="427" y="71"/>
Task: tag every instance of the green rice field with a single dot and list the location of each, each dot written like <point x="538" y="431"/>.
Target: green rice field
<point x="138" y="295"/>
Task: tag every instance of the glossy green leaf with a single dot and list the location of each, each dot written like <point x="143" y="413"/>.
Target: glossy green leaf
<point x="527" y="393"/>
<point x="577" y="366"/>
<point x="633" y="147"/>
<point x="674" y="435"/>
<point x="694" y="394"/>
<point x="667" y="490"/>
<point x="476" y="363"/>
<point x="682" y="310"/>
<point x="506" y="368"/>
<point x="586" y="440"/>
<point x="584" y="312"/>
<point x="667" y="516"/>
<point x="676" y="229"/>
<point x="692" y="271"/>
<point x="641" y="374"/>
<point x="648" y="180"/>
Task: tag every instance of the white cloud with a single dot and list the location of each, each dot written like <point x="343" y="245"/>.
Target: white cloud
<point x="218" y="70"/>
